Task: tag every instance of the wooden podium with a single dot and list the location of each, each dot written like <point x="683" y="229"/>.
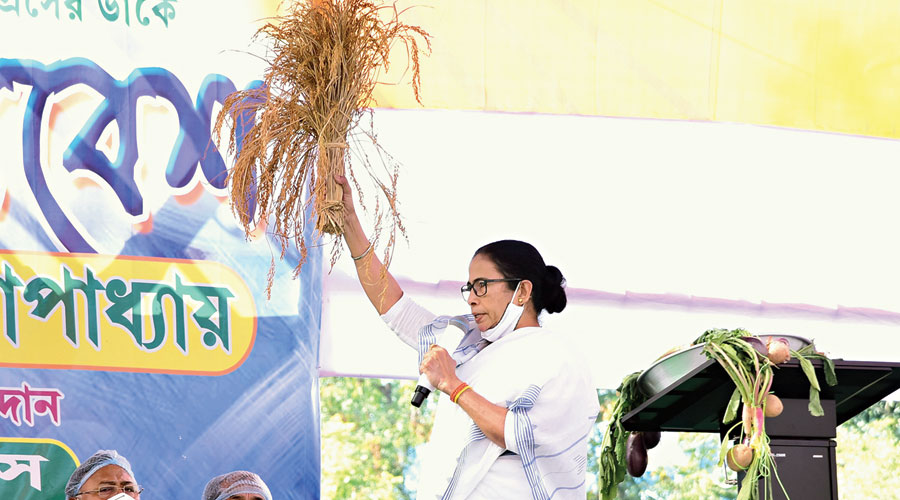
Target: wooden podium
<point x="803" y="445"/>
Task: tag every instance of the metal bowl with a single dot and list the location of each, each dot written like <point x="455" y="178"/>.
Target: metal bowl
<point x="672" y="367"/>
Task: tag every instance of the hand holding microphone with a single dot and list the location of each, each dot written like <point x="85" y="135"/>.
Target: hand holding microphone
<point x="439" y="362"/>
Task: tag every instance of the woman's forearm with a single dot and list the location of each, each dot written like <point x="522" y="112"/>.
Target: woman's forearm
<point x="490" y="418"/>
<point x="380" y="287"/>
<point x="441" y="370"/>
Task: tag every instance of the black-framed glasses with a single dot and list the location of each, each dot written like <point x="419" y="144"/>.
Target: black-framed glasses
<point x="480" y="286"/>
<point x="132" y="490"/>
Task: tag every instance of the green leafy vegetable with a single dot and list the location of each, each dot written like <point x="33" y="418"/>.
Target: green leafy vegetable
<point x="731" y="409"/>
<point x="804" y="355"/>
<point x="613" y="449"/>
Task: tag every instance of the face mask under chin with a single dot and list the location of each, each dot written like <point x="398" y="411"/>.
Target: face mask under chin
<point x="507" y="322"/>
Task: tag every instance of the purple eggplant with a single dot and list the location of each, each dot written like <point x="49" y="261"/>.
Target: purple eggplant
<point x="636" y="455"/>
<point x="650" y="439"/>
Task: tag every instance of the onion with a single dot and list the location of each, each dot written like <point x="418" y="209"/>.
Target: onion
<point x="773" y="405"/>
<point x="739" y="457"/>
<point x="779" y="351"/>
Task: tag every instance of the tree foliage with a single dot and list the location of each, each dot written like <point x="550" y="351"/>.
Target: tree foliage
<point x="867" y="459"/>
<point x="370" y="433"/>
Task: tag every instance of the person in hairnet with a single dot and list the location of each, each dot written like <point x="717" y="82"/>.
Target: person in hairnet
<point x="237" y="485"/>
<point x="106" y="474"/>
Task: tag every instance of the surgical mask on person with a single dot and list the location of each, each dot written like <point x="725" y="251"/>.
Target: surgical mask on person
<point x="508" y="322"/>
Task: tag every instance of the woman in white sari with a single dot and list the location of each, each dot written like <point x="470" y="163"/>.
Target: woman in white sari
<point x="517" y="406"/>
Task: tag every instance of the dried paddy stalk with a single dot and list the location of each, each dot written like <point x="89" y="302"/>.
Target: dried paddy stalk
<point x="325" y="56"/>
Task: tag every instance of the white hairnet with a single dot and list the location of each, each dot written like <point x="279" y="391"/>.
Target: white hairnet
<point x="236" y="483"/>
<point x="96" y="462"/>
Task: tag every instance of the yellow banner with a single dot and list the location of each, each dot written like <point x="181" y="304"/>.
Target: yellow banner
<point x="808" y="64"/>
<point x="122" y="313"/>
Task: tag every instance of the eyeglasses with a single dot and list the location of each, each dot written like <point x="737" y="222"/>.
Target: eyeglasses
<point x="132" y="490"/>
<point x="480" y="286"/>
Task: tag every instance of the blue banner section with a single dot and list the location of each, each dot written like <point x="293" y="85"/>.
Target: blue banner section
<point x="88" y="190"/>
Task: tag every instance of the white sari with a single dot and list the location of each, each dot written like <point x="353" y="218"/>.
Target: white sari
<point x="552" y="409"/>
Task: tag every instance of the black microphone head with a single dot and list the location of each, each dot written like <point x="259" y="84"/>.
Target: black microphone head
<point x="420" y="395"/>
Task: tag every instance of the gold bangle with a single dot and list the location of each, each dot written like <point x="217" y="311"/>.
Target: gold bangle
<point x="368" y="249"/>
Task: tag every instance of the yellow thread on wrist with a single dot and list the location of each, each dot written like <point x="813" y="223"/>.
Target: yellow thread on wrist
<point x="458" y="394"/>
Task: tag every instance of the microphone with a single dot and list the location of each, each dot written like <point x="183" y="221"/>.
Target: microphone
<point x="423" y="389"/>
<point x="448" y="340"/>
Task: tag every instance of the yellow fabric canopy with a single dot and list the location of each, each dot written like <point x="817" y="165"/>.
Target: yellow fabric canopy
<point x="828" y="65"/>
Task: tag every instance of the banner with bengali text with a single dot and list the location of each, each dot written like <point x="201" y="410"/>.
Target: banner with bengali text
<point x="134" y="311"/>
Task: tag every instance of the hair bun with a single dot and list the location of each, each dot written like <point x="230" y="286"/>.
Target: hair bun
<point x="554" y="290"/>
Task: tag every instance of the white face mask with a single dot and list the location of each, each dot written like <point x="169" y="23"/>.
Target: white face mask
<point x="507" y="323"/>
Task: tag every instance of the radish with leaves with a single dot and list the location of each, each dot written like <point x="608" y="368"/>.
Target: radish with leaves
<point x="750" y="364"/>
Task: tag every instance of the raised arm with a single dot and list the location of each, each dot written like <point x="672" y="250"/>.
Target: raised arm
<point x="380" y="286"/>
